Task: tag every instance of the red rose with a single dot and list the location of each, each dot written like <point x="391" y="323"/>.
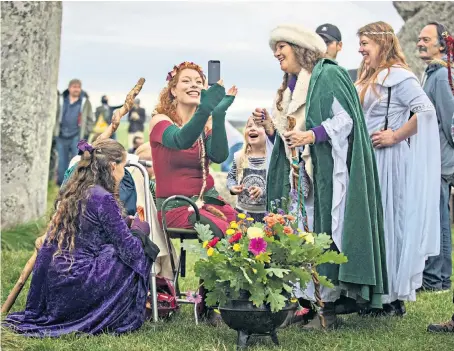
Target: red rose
<point x="213" y="242"/>
<point x="235" y="238"/>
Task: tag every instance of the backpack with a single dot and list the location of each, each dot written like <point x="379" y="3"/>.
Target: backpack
<point x="101" y="125"/>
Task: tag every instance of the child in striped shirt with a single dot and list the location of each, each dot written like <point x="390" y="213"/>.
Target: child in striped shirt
<point x="247" y="177"/>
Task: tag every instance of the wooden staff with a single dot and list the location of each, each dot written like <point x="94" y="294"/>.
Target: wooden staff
<point x="318" y="296"/>
<point x="296" y="171"/>
<point x="123" y="110"/>
<point x="296" y="181"/>
<point x="118" y="114"/>
<point x="11" y="299"/>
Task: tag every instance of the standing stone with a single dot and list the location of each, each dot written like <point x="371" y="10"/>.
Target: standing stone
<point x="30" y="34"/>
<point x="416" y="15"/>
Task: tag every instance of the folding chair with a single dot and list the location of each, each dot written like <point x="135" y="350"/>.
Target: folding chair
<point x="141" y="166"/>
<point x="181" y="234"/>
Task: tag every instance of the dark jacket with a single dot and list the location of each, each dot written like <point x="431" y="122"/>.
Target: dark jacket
<point x="128" y="193"/>
<point x="106" y="112"/>
<point x="436" y="86"/>
<point x="86" y="121"/>
<point x="136" y="125"/>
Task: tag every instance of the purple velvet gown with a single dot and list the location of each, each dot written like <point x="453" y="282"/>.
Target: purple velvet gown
<point x="103" y="290"/>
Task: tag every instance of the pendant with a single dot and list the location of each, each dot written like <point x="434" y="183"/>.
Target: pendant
<point x="199" y="203"/>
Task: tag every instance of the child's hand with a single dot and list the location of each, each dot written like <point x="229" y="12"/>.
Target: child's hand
<point x="236" y="189"/>
<point x="255" y="192"/>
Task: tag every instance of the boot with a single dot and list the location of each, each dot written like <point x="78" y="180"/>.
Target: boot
<point x="399" y="308"/>
<point x="387" y="311"/>
<point x="328" y="312"/>
<point x="447" y="327"/>
<point x="393" y="309"/>
<point x="346" y="305"/>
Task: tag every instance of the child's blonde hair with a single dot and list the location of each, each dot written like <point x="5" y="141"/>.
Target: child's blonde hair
<point x="243" y="159"/>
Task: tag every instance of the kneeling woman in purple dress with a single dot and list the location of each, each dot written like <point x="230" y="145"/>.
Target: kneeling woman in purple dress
<point x="91" y="274"/>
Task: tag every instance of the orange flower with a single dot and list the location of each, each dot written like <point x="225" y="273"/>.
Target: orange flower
<point x="270" y="222"/>
<point x="268" y="232"/>
<point x="288" y="230"/>
<point x="290" y="217"/>
<point x="280" y="219"/>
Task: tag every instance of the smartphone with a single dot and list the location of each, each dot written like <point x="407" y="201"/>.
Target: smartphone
<point x="214" y="72"/>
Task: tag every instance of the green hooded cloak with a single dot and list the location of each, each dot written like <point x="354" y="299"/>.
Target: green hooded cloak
<point x="364" y="276"/>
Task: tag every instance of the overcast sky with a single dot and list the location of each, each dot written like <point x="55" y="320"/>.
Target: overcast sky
<point x="109" y="45"/>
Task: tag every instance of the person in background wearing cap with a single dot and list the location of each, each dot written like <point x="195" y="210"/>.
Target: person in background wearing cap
<point x="136" y="119"/>
<point x="334" y="150"/>
<point x="332" y="37"/>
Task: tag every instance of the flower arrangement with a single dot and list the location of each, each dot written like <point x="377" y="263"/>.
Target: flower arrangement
<point x="264" y="259"/>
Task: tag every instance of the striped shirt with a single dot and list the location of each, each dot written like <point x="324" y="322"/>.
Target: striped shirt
<point x="253" y="175"/>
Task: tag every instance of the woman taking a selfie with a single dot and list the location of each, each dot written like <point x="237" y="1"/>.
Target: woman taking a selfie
<point x="91" y="274"/>
<point x="184" y="140"/>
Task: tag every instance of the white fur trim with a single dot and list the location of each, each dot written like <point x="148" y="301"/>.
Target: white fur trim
<point x="298" y="35"/>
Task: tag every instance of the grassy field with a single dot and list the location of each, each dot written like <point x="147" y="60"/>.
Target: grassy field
<point x="180" y="332"/>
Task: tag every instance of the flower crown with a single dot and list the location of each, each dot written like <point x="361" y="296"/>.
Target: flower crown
<point x="185" y="64"/>
<point x="378" y="33"/>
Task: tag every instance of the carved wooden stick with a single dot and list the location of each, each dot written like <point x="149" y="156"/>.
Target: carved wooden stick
<point x="291" y="124"/>
<point x="123" y="110"/>
<point x="296" y="171"/>
<point x="318" y="297"/>
<point x="11" y="299"/>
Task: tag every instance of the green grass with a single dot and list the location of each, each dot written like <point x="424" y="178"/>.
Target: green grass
<point x="180" y="332"/>
<point x="122" y="134"/>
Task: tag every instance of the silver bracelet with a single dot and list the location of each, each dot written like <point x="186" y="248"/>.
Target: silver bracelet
<point x="314" y="137"/>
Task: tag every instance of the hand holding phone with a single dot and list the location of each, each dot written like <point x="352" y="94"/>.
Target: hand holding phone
<point x="214" y="72"/>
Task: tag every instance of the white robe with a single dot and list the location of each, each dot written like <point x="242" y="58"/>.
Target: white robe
<point x="338" y="129"/>
<point x="409" y="180"/>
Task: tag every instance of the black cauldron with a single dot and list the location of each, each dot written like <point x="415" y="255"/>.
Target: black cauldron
<point x="247" y="319"/>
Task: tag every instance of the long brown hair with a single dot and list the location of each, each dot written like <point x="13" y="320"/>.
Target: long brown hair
<point x="94" y="168"/>
<point x="307" y="60"/>
<point x="243" y="160"/>
<point x="390" y="54"/>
